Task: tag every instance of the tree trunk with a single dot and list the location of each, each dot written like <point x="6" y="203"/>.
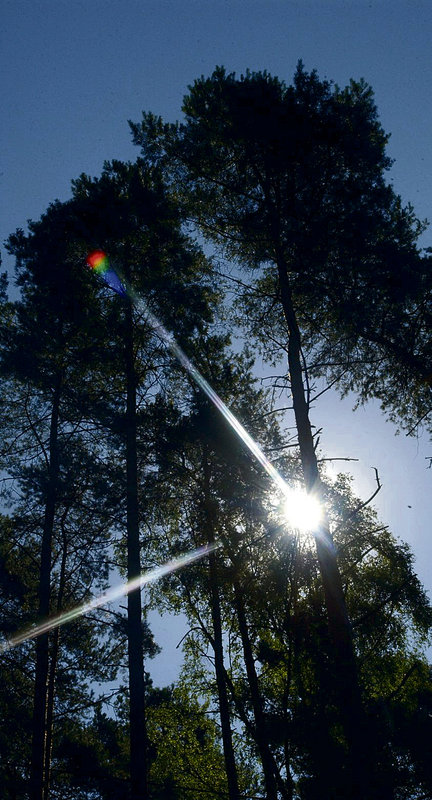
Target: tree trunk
<point x="38" y="757"/>
<point x="52" y="671"/>
<point x="266" y="756"/>
<point x="228" y="749"/>
<point x="137" y="714"/>
<point x="346" y="683"/>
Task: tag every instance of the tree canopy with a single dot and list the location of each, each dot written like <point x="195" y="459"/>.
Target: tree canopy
<point x="298" y="172"/>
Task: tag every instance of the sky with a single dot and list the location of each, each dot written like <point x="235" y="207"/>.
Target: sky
<point x="75" y="71"/>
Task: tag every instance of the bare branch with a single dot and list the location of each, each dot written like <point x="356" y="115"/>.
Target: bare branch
<point x="363" y="504"/>
<point x="320" y="460"/>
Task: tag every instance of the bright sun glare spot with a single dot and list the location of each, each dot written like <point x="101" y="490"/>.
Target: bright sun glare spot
<point x="301" y="510"/>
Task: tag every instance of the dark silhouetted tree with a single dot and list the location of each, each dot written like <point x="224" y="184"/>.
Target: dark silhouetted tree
<point x="289" y="180"/>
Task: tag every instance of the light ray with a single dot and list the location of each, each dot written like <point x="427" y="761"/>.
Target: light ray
<point x="199" y="379"/>
<point x="108" y="597"/>
<point x="98" y="261"/>
<point x="301" y="509"/>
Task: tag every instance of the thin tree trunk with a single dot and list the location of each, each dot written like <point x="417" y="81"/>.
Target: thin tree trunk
<point x="224" y="713"/>
<point x="52" y="677"/>
<point x="50" y="712"/>
<point x="137" y="712"/>
<point x="346" y="682"/>
<point x="289" y="611"/>
<point x="37" y="767"/>
<point x="266" y="757"/>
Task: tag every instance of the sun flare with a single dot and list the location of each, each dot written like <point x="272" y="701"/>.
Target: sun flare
<point x="301" y="510"/>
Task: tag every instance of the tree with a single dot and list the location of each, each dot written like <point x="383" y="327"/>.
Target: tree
<point x="381" y="348"/>
<point x="129" y="214"/>
<point x="95" y="387"/>
<point x="45" y="339"/>
<point x="307" y="164"/>
<point x="289" y="180"/>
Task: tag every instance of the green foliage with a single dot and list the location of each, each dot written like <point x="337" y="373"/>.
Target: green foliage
<point x="91" y="760"/>
<point x="188" y="762"/>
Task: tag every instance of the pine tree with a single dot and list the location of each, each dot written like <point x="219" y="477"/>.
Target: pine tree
<point x="128" y="213"/>
<point x="44" y="336"/>
<point x="290" y="182"/>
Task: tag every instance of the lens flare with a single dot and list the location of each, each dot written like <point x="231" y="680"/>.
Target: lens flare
<point x="301" y="509"/>
<point x="108" y="597"/>
<point x="99" y="263"/>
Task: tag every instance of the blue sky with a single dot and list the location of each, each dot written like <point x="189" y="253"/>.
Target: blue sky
<point x="74" y="71"/>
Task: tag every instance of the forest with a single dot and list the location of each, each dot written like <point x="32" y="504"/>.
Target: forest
<point x="261" y="227"/>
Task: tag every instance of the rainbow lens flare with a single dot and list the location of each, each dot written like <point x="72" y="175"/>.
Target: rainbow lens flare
<point x="99" y="263"/>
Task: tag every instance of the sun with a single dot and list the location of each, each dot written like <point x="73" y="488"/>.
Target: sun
<point x="301" y="510"/>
